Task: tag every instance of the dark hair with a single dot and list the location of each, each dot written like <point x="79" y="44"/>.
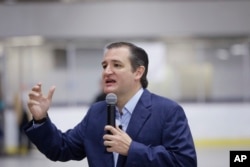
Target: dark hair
<point x="138" y="58"/>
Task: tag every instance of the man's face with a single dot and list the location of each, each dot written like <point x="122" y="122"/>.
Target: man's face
<point x="118" y="76"/>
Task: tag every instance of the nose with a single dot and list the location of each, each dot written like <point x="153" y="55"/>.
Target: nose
<point x="108" y="70"/>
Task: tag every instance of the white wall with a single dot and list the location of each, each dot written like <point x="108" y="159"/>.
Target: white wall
<point x="111" y="19"/>
<point x="219" y="120"/>
<point x="207" y="121"/>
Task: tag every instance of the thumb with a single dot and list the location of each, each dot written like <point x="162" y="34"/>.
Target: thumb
<point x="51" y="92"/>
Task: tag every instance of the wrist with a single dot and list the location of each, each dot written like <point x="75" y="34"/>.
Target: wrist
<point x="40" y="121"/>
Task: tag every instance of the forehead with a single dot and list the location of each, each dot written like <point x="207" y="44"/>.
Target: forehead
<point x="121" y="54"/>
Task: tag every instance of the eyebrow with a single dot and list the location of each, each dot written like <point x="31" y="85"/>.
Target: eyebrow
<point x="113" y="61"/>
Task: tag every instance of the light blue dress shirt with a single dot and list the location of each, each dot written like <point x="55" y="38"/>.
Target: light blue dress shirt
<point x="122" y="118"/>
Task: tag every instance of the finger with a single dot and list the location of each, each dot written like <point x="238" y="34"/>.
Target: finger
<point x="109" y="148"/>
<point x="107" y="143"/>
<point x="36" y="88"/>
<point x="32" y="102"/>
<point x="119" y="129"/>
<point x="106" y="127"/>
<point x="108" y="137"/>
<point x="111" y="129"/>
<point x="39" y="87"/>
<point x="51" y="92"/>
<point x="33" y="94"/>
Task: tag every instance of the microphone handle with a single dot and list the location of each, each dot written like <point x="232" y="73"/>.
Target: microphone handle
<point x="111" y="115"/>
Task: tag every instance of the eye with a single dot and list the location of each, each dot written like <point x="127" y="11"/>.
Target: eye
<point x="117" y="65"/>
<point x="104" y="66"/>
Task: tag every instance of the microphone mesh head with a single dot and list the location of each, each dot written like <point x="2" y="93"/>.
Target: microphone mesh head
<point x="111" y="98"/>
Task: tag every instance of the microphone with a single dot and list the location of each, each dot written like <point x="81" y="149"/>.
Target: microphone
<point x="111" y="100"/>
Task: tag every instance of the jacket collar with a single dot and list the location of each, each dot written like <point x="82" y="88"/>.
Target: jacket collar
<point x="140" y="114"/>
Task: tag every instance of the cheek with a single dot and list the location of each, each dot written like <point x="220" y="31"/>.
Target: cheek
<point x="125" y="76"/>
<point x="127" y="79"/>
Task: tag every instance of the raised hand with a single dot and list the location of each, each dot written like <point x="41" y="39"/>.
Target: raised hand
<point x="38" y="103"/>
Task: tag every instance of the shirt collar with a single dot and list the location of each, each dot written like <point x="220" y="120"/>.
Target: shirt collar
<point x="130" y="105"/>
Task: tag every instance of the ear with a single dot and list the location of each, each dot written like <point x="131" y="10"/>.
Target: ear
<point x="139" y="72"/>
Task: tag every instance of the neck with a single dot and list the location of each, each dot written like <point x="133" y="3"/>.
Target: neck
<point x="123" y="99"/>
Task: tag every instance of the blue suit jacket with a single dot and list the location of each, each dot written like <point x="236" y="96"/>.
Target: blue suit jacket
<point x="158" y="127"/>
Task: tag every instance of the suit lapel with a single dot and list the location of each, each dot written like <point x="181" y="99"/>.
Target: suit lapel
<point x="140" y="115"/>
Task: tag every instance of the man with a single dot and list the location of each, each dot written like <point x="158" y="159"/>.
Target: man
<point x="154" y="132"/>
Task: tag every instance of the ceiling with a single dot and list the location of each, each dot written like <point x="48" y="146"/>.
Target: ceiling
<point x="72" y="1"/>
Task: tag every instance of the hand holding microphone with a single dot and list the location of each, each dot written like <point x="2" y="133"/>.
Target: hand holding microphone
<point x="116" y="141"/>
<point x="111" y="100"/>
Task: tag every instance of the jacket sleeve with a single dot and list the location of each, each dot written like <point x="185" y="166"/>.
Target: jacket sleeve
<point x="176" y="149"/>
<point x="54" y="144"/>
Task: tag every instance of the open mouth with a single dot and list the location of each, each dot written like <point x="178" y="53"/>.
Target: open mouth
<point x="110" y="81"/>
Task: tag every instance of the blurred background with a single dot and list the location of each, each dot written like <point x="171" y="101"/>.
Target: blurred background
<point x="198" y="51"/>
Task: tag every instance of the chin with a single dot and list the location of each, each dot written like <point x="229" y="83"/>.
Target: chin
<point x="106" y="91"/>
